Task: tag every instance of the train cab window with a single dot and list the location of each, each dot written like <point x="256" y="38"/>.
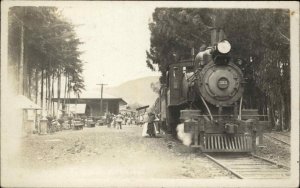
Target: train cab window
<point x="168" y="79"/>
<point x="175" y="72"/>
<point x="175" y="78"/>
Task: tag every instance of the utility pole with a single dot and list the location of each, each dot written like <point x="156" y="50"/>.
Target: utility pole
<point x="101" y="99"/>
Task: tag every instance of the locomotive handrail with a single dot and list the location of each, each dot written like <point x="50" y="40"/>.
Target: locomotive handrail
<point x="233" y="115"/>
<point x="257" y="115"/>
<point x="240" y="112"/>
<point x="211" y="117"/>
<point x="215" y="115"/>
<point x="194" y="76"/>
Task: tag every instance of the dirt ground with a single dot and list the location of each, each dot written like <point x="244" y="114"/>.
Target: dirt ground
<point x="104" y="153"/>
<point x="275" y="151"/>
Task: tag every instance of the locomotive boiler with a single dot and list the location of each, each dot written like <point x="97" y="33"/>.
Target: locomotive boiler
<point x="206" y="95"/>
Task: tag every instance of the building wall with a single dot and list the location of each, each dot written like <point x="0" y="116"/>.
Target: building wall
<point x="93" y="106"/>
<point x="114" y="107"/>
<point x="108" y="106"/>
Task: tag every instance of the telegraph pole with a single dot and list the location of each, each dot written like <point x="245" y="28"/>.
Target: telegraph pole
<point x="101" y="99"/>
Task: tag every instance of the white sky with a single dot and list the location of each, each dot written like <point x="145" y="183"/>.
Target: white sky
<point x="115" y="41"/>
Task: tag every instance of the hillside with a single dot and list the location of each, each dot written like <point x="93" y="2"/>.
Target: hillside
<point x="136" y="91"/>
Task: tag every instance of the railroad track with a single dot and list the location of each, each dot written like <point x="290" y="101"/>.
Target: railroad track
<point x="283" y="134"/>
<point x="284" y="139"/>
<point x="247" y="166"/>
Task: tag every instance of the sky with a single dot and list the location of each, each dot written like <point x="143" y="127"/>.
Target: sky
<point x="115" y="41"/>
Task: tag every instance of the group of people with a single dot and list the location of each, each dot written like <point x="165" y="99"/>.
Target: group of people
<point x="150" y="123"/>
<point x="116" y="121"/>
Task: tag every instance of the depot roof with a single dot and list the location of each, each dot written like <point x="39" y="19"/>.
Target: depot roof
<point x="143" y="107"/>
<point x="94" y="96"/>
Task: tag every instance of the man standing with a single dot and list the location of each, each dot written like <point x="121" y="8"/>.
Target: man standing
<point x="119" y="120"/>
<point x="151" y="128"/>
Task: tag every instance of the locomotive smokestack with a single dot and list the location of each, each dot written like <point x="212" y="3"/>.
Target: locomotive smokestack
<point x="214" y="32"/>
<point x="221" y="35"/>
<point x="214" y="37"/>
<point x="217" y="35"/>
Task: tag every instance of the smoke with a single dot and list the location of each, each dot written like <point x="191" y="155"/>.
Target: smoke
<point x="186" y="138"/>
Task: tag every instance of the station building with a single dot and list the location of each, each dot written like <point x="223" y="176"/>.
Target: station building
<point x="89" y="104"/>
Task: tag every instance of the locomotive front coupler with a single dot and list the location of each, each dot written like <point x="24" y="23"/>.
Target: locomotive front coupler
<point x="231" y="128"/>
<point x="189" y="125"/>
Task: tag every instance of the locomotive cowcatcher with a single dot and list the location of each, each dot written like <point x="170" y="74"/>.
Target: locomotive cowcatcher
<point x="206" y="95"/>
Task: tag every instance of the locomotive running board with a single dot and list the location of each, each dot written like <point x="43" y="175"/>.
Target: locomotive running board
<point x="227" y="143"/>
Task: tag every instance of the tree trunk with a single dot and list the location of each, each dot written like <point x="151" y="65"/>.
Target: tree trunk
<point x="272" y="115"/>
<point x="29" y="70"/>
<point x="36" y="85"/>
<point x="282" y="111"/>
<point x="287" y="104"/>
<point x="42" y="89"/>
<point x="21" y="63"/>
<point x="288" y="112"/>
<point x="27" y="74"/>
<point x="58" y="90"/>
<point x="68" y="94"/>
<point x="46" y="90"/>
<point x="65" y="93"/>
<point x="51" y="96"/>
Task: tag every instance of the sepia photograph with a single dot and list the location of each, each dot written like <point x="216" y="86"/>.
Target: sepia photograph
<point x="149" y="94"/>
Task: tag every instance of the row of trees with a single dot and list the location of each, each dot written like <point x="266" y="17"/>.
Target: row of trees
<point x="48" y="46"/>
<point x="259" y="38"/>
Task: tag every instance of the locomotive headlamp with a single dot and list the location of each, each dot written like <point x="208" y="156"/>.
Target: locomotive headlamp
<point x="223" y="47"/>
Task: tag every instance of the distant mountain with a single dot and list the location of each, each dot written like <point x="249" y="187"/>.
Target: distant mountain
<point x="136" y="91"/>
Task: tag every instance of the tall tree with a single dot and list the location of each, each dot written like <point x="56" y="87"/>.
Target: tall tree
<point x="51" y="48"/>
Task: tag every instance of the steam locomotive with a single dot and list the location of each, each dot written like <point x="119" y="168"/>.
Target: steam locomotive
<point x="206" y="95"/>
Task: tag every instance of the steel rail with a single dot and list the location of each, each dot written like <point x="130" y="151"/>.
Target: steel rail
<point x="277" y="140"/>
<point x="279" y="133"/>
<point x="223" y="166"/>
<point x="272" y="162"/>
<point x="250" y="157"/>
